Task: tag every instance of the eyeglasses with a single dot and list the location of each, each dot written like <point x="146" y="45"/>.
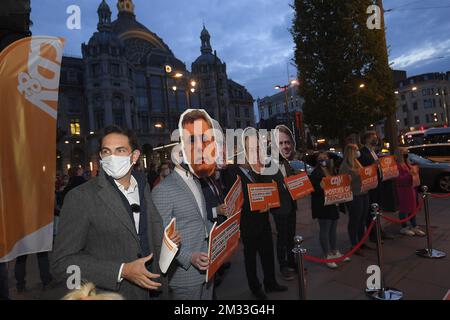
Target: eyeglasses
<point x="135" y="208"/>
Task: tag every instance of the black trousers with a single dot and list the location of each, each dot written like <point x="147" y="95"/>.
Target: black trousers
<point x="286" y="227"/>
<point x="44" y="269"/>
<point x="259" y="244"/>
<point x="4" y="289"/>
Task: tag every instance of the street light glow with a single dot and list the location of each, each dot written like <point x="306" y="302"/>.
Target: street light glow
<point x="362" y="85"/>
<point x="158" y="125"/>
<point x="396" y="92"/>
<point x="294" y="82"/>
<point x="178" y="75"/>
<point x="174" y="88"/>
<point x="277" y="87"/>
<point x="192" y="90"/>
<point x="66" y="142"/>
<point x="414" y="88"/>
<point x="193" y="83"/>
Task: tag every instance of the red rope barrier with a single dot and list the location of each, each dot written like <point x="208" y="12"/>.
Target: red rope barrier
<point x="348" y="254"/>
<point x="402" y="220"/>
<point x="416" y="211"/>
<point x="440" y="196"/>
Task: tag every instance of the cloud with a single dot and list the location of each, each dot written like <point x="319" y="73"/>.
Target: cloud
<point x="252" y="36"/>
<point x="422" y="55"/>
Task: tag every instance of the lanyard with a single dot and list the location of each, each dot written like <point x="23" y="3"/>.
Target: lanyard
<point x="247" y="174"/>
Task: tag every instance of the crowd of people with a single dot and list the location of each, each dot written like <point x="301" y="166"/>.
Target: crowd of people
<point x="111" y="226"/>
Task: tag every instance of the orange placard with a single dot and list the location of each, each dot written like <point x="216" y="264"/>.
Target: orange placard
<point x="369" y="177"/>
<point x="415" y="172"/>
<point x="299" y="186"/>
<point x="447" y="296"/>
<point x="29" y="86"/>
<point x="223" y="242"/>
<point x="389" y="167"/>
<point x="235" y="198"/>
<point x="262" y="195"/>
<point x="337" y="189"/>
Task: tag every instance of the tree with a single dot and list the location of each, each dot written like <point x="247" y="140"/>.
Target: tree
<point x="336" y="53"/>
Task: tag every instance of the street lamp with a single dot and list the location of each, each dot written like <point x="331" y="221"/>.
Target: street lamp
<point x="397" y="92"/>
<point x="445" y="106"/>
<point x="285" y="88"/>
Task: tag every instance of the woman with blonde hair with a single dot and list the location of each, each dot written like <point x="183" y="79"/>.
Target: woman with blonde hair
<point x="359" y="207"/>
<point x="406" y="193"/>
<point x="88" y="292"/>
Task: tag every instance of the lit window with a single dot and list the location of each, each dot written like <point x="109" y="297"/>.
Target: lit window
<point x="75" y="127"/>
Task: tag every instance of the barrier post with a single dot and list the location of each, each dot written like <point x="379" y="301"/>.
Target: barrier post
<point x="381" y="293"/>
<point x="429" y="252"/>
<point x="299" y="252"/>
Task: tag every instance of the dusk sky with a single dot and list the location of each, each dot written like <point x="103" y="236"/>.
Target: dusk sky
<point x="252" y="36"/>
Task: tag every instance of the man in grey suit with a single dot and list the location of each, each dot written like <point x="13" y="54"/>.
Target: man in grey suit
<point x="110" y="228"/>
<point x="180" y="196"/>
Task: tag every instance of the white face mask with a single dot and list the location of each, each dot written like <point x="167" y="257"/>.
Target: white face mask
<point x="358" y="154"/>
<point x="116" y="166"/>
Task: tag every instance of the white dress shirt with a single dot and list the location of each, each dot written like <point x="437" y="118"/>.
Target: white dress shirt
<point x="283" y="170"/>
<point x="132" y="195"/>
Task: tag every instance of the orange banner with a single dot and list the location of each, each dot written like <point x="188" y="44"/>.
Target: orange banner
<point x="262" y="195"/>
<point x="235" y="198"/>
<point x="299" y="186"/>
<point x="369" y="177"/>
<point x="29" y="84"/>
<point x="337" y="189"/>
<point x="415" y="172"/>
<point x="389" y="167"/>
<point x="223" y="242"/>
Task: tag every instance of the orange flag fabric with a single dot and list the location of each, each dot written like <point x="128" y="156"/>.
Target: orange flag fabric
<point x="29" y="84"/>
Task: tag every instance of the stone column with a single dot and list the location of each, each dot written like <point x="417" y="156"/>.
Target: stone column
<point x="107" y="101"/>
<point x="127" y="106"/>
<point x="91" y="119"/>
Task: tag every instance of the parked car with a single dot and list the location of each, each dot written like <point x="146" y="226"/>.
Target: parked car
<point x="300" y="166"/>
<point x="435" y="175"/>
<point x="438" y="152"/>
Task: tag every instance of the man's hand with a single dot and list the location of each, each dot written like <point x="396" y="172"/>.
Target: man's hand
<point x="200" y="260"/>
<point x="222" y="210"/>
<point x="137" y="273"/>
<point x="176" y="238"/>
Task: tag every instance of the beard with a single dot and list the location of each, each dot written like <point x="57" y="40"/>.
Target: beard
<point x="203" y="170"/>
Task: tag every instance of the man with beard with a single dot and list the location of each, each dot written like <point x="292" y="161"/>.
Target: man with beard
<point x="180" y="196"/>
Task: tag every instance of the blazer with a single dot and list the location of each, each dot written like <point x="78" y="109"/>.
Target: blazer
<point x="97" y="234"/>
<point x="287" y="204"/>
<point x="253" y="224"/>
<point x="174" y="199"/>
<point x="212" y="199"/>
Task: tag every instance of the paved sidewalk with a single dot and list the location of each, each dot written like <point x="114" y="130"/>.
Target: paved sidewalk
<point x="418" y="278"/>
